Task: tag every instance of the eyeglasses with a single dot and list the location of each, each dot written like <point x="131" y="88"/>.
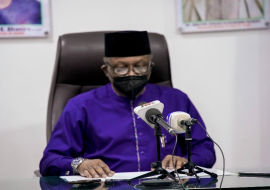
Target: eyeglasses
<point x="124" y="70"/>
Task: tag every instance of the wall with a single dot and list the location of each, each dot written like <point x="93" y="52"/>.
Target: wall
<point x="225" y="74"/>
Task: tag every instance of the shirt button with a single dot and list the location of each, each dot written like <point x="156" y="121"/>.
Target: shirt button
<point x="140" y="134"/>
<point x="142" y="152"/>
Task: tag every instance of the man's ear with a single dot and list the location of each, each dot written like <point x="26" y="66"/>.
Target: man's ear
<point x="152" y="64"/>
<point x="104" y="69"/>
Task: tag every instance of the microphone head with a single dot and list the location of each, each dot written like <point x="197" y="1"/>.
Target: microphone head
<point x="152" y="111"/>
<point x="144" y="107"/>
<point x="174" y="120"/>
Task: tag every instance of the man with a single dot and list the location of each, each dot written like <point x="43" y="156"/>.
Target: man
<point x="98" y="132"/>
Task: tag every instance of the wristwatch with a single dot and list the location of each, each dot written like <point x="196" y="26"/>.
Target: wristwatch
<point x="75" y="163"/>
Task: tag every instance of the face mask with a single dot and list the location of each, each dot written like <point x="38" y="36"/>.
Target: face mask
<point x="130" y="86"/>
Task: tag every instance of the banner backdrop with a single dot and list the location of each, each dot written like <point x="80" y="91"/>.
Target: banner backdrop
<point x="24" y="18"/>
<point x="219" y="15"/>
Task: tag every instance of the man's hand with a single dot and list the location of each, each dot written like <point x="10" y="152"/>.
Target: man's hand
<point x="178" y="162"/>
<point x="94" y="169"/>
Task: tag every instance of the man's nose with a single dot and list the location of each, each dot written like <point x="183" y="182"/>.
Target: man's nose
<point x="131" y="72"/>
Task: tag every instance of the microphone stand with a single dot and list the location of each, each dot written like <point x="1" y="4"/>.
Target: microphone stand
<point x="157" y="165"/>
<point x="191" y="166"/>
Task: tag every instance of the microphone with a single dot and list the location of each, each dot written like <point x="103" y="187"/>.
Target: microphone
<point x="144" y="107"/>
<point x="180" y="120"/>
<point x="189" y="122"/>
<point x="151" y="113"/>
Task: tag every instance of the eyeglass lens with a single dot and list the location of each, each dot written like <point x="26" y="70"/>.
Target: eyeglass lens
<point x="125" y="70"/>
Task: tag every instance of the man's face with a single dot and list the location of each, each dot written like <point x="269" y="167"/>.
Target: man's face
<point x="127" y="66"/>
<point x="116" y="66"/>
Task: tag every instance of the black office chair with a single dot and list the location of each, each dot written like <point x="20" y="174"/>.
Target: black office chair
<point x="77" y="69"/>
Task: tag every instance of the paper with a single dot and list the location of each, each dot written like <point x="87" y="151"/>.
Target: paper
<point x="130" y="175"/>
<point x="117" y="176"/>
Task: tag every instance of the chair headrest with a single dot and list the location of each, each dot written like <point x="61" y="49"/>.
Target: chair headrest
<point x="80" y="56"/>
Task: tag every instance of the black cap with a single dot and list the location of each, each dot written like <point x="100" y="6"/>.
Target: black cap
<point x="127" y="44"/>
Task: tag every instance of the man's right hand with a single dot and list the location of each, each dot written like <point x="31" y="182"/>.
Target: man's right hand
<point x="95" y="168"/>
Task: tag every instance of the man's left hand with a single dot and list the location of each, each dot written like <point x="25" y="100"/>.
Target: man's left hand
<point x="178" y="162"/>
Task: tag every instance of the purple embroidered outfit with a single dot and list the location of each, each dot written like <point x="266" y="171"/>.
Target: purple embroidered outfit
<point x="99" y="124"/>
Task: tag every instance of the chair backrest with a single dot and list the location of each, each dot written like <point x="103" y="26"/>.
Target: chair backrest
<point x="77" y="69"/>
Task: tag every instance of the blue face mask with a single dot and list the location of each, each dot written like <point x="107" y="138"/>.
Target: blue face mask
<point x="130" y="86"/>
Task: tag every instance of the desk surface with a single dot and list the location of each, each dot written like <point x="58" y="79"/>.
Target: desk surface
<point x="55" y="183"/>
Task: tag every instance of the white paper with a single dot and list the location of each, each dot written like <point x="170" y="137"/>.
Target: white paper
<point x="130" y="175"/>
